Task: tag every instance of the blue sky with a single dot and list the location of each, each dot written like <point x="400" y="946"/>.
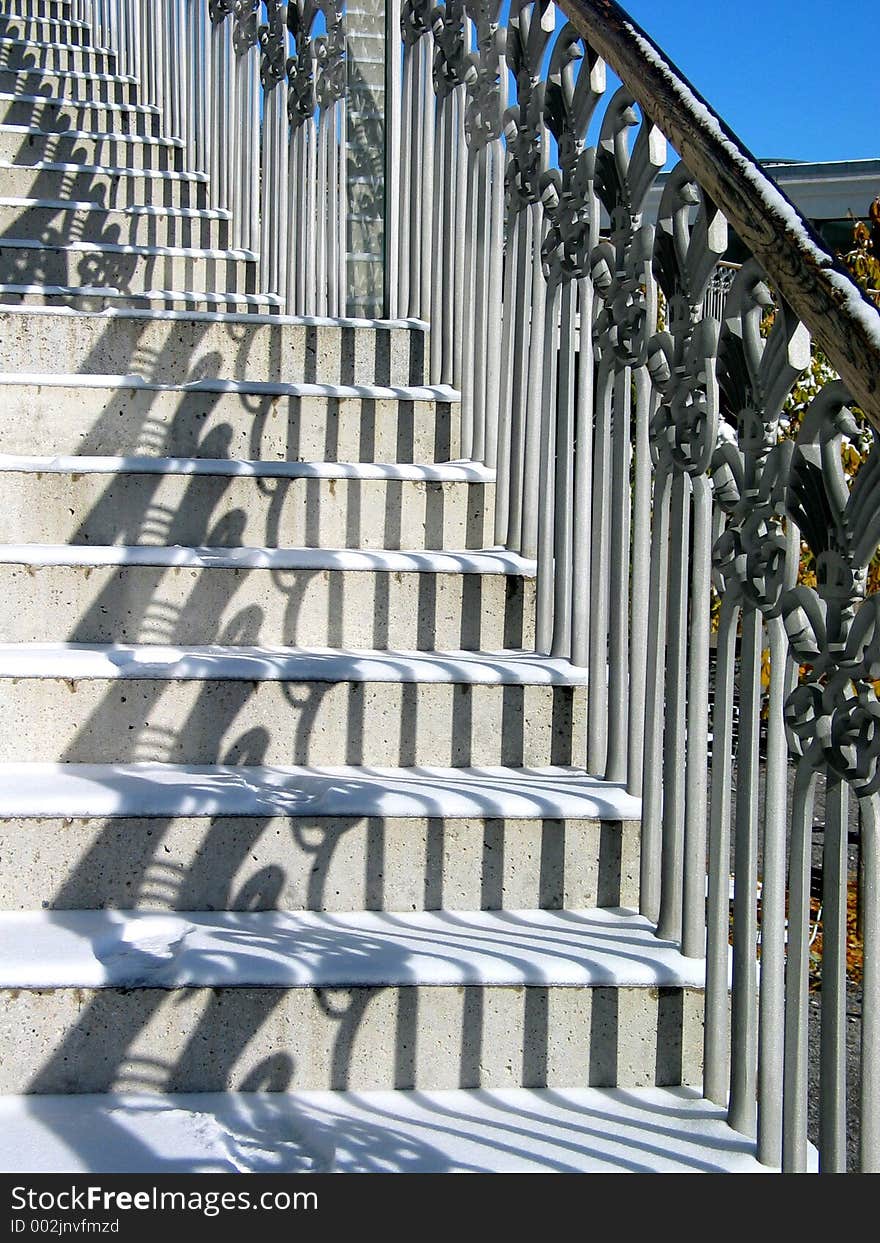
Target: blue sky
<point x="795" y="79"/>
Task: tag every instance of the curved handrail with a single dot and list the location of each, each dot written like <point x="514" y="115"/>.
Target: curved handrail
<point x="842" y="320"/>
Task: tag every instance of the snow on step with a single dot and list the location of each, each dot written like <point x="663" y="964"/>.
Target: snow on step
<point x="607" y="948"/>
<point x="198" y="317"/>
<point x="104" y="170"/>
<point x="444" y="472"/>
<point x="111" y="661"/>
<point x="75" y="791"/>
<point x="518" y="1130"/>
<point x="365" y="392"/>
<point x="36" y="131"/>
<point x="494" y="561"/>
<point x="144" y="295"/>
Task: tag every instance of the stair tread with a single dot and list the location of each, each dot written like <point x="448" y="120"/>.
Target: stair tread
<point x="572" y="1130"/>
<point x="492" y="561"/>
<point x="146" y="209"/>
<point x="37" y="131"/>
<point x="61" y="101"/>
<point x="441" y="472"/>
<point x="73" y="661"/>
<point x="126" y="248"/>
<point x="104" y="170"/>
<point x="64" y="47"/>
<point x="165" y="295"/>
<point x="202" y="317"/>
<point x="368" y="392"/>
<point x="76" y="791"/>
<point x="80" y="75"/>
<point x="600" y="948"/>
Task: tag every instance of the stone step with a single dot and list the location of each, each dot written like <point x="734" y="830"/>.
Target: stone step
<point x="176" y="347"/>
<point x="62" y="221"/>
<point x="362" y="1001"/>
<point x="173" y="837"/>
<point x="54" y="113"/>
<point x="106" y="704"/>
<point x="97" y="298"/>
<point x="86" y="87"/>
<point x="138" y="835"/>
<point x="509" y="1130"/>
<point x="113" y="187"/>
<point x="55" y="57"/>
<point x="28" y="146"/>
<point x="45" y="29"/>
<point x="75" y="414"/>
<point x="129" y="269"/>
<point x="57" y="10"/>
<point x="144" y="500"/>
<point x="297" y="597"/>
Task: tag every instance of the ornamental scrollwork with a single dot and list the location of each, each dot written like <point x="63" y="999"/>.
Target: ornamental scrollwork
<point x="833" y="717"/>
<point x="755" y="558"/>
<point x="415" y="20"/>
<point x="273" y="44"/>
<point x="245" y="30"/>
<point x="219" y="10"/>
<point x="487" y="77"/>
<point x="575" y="84"/>
<point x="452" y="62"/>
<point x="691" y="238"/>
<point x="621" y="265"/>
<point x="529" y="29"/>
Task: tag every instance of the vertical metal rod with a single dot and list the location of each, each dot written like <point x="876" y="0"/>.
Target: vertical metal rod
<point x="694" y="877"/>
<point x="641" y="568"/>
<point x="467" y="312"/>
<point x="460" y="195"/>
<point x="428" y="125"/>
<point x="393" y="108"/>
<point x="582" y="534"/>
<point x="496" y="359"/>
<point x="532" y="447"/>
<point x="744" y="996"/>
<point x="618" y="579"/>
<point x="546" y="495"/>
<point x="716" y="1031"/>
<point x="409" y="147"/>
<point x="869" y="1154"/>
<point x="504" y="464"/>
<point x="521" y="317"/>
<point x="563" y="514"/>
<point x="481" y="305"/>
<point x="597" y="720"/>
<point x="655" y="706"/>
<point x="674" y="741"/>
<point x="797" y="967"/>
<point x="832" y="1051"/>
<point x="771" y="997"/>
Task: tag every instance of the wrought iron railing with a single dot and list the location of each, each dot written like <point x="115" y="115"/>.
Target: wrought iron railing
<point x="648" y="449"/>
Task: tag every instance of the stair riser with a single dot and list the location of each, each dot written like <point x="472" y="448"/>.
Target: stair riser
<point x="58" y="10"/>
<point x="110" y="152"/>
<point x="131" y="272"/>
<point x="96" y="118"/>
<point x="278" y="513"/>
<point x="57" y="59"/>
<point x="85" y="89"/>
<point x="386" y="724"/>
<point x="201" y="1040"/>
<point x="45" y="30"/>
<point x="67" y="116"/>
<point x="111" y="190"/>
<point x="302" y="608"/>
<point x="243" y="863"/>
<point x="120" y="228"/>
<point x="70" y="421"/>
<point x="176" y="351"/>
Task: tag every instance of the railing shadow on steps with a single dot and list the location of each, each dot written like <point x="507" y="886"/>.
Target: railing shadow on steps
<point x="637" y="443"/>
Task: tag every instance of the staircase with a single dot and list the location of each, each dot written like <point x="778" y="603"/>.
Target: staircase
<point x="301" y="866"/>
